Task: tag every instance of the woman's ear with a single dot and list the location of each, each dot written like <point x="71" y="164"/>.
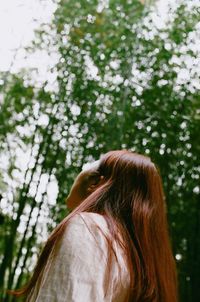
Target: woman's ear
<point x="95" y="183"/>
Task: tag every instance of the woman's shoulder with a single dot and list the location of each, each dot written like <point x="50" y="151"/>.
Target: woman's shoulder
<point x="94" y="217"/>
<point x="86" y="230"/>
<point x="84" y="223"/>
<point x="90" y="219"/>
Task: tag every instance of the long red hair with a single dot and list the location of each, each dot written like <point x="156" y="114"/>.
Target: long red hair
<point x="133" y="203"/>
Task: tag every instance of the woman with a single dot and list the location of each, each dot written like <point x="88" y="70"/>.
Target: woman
<point x="114" y="245"/>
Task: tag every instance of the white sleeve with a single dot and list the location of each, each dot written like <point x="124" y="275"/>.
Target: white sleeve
<point x="77" y="272"/>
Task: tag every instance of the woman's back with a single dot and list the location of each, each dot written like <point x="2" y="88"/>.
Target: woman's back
<point x="76" y="272"/>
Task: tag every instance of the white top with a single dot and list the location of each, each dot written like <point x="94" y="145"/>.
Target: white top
<point x="77" y="272"/>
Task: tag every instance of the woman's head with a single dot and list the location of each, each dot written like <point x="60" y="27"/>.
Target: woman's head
<point x="117" y="166"/>
<point x="122" y="178"/>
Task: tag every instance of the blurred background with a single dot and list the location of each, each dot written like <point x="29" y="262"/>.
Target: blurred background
<point x="80" y="78"/>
